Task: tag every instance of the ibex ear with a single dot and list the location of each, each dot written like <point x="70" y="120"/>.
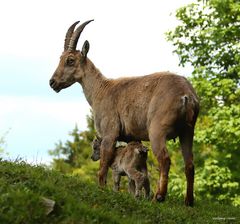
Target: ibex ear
<point x="85" y="48"/>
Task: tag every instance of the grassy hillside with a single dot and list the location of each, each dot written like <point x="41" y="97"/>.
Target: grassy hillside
<point x="23" y="187"/>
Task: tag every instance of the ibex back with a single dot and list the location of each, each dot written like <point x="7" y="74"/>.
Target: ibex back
<point x="154" y="107"/>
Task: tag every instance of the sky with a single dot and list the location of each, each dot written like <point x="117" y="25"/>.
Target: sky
<point x="127" y="38"/>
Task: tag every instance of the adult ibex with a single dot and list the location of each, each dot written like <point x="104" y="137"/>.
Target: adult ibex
<point x="154" y="107"/>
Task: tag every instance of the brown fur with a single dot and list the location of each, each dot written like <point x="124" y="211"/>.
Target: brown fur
<point x="130" y="160"/>
<point x="154" y="107"/>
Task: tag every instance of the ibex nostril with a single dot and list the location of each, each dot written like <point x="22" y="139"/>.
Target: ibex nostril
<point x="51" y="82"/>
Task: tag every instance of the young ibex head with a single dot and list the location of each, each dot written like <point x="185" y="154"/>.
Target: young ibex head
<point x="96" y="144"/>
<point x="72" y="61"/>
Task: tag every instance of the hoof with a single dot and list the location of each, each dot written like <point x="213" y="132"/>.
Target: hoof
<point x="102" y="181"/>
<point x="189" y="203"/>
<point x="159" y="198"/>
<point x="147" y="196"/>
<point x="137" y="194"/>
<point x="137" y="197"/>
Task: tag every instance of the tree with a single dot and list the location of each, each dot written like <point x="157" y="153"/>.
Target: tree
<point x="3" y="144"/>
<point x="74" y="154"/>
<point x="208" y="39"/>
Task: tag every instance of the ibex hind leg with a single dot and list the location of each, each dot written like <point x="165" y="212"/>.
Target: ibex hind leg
<point x="186" y="141"/>
<point x="158" y="142"/>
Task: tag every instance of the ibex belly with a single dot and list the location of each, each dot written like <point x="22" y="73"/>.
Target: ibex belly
<point x="133" y="125"/>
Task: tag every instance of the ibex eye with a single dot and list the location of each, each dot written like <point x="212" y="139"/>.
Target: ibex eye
<point x="70" y="61"/>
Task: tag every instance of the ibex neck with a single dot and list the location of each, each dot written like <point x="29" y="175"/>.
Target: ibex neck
<point x="91" y="82"/>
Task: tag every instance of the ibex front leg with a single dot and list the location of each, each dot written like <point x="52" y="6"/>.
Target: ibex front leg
<point x="106" y="151"/>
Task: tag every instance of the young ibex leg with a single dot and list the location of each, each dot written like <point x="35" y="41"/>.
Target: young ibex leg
<point x="139" y="179"/>
<point x="146" y="184"/>
<point x="116" y="180"/>
<point x="131" y="186"/>
<point x="106" y="156"/>
<point x="186" y="140"/>
<point x="160" y="151"/>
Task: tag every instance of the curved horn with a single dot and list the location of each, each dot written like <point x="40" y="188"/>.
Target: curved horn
<point x="69" y="35"/>
<point x="76" y="35"/>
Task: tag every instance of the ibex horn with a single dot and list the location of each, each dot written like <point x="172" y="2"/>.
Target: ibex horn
<point x="76" y="35"/>
<point x="69" y="35"/>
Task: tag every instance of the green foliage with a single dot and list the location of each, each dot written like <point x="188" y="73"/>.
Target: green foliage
<point x="208" y="39"/>
<point x="74" y="155"/>
<point x="212" y="182"/>
<point x="78" y="201"/>
<point x="215" y="182"/>
<point x="3" y="144"/>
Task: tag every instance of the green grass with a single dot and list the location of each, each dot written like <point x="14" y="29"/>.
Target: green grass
<point x="22" y="187"/>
